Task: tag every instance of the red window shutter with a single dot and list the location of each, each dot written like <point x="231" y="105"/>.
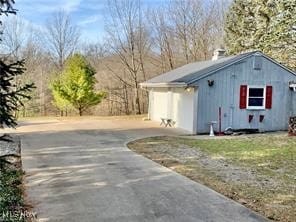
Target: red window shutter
<point x="268" y="98"/>
<point x="243" y="97"/>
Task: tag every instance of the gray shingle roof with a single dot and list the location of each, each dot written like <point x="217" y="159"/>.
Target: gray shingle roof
<point x="190" y="72"/>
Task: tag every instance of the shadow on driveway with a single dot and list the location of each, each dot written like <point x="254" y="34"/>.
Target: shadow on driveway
<point x="83" y="172"/>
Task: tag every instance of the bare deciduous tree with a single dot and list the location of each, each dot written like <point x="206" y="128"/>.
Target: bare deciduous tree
<point x="14" y="36"/>
<point x="186" y="31"/>
<point x="39" y="70"/>
<point x="128" y="39"/>
<point x="163" y="39"/>
<point x="197" y="25"/>
<point x="180" y="13"/>
<point x="62" y="37"/>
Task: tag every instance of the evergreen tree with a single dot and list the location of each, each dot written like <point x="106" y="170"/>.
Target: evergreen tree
<point x="280" y="42"/>
<point x="76" y="85"/>
<point x="267" y="25"/>
<point x="11" y="95"/>
<point x="58" y="101"/>
<point x="240" y="27"/>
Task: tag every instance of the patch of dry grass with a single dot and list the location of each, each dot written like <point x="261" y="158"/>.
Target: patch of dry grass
<point x="257" y="171"/>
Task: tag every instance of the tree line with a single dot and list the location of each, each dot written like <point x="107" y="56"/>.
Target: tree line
<point x="140" y="43"/>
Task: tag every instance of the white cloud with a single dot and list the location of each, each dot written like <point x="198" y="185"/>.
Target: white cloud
<point x="89" y="20"/>
<point x="51" y="6"/>
<point x="71" y="5"/>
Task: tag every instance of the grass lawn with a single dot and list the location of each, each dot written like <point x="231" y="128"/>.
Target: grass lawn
<point x="258" y="171"/>
<point x="11" y="195"/>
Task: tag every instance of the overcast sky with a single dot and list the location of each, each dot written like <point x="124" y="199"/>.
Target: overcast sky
<point x="89" y="15"/>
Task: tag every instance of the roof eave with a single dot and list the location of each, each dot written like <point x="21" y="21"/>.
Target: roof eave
<point x="163" y="85"/>
<point x="279" y="64"/>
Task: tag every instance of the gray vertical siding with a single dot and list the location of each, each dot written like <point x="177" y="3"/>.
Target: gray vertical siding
<point x="225" y="93"/>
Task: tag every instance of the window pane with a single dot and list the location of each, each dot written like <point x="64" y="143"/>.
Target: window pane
<point x="256" y="92"/>
<point x="256" y="101"/>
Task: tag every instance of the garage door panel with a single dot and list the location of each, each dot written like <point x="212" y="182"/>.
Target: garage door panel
<point x="176" y="104"/>
<point x="183" y="110"/>
<point x="158" y="105"/>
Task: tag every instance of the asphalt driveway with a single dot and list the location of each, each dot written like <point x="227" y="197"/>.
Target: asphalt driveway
<point x="80" y="170"/>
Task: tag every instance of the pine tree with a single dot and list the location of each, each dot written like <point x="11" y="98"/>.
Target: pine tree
<point x="240" y="27"/>
<point x="280" y="40"/>
<point x="266" y="25"/>
<point x="11" y="95"/>
<point x="76" y="85"/>
<point x="58" y="101"/>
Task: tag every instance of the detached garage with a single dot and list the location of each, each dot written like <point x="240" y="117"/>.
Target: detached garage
<point x="251" y="90"/>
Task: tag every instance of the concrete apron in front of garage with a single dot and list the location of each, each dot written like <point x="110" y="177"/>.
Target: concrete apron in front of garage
<point x="82" y="171"/>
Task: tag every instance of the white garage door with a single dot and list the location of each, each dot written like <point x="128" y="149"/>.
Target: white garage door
<point x="158" y="105"/>
<point x="177" y="104"/>
<point x="183" y="109"/>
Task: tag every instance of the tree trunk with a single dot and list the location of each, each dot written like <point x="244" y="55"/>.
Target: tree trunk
<point x="138" y="104"/>
<point x="126" y="100"/>
<point x="80" y="111"/>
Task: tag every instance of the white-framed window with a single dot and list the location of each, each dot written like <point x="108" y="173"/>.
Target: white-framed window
<point x="256" y="97"/>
